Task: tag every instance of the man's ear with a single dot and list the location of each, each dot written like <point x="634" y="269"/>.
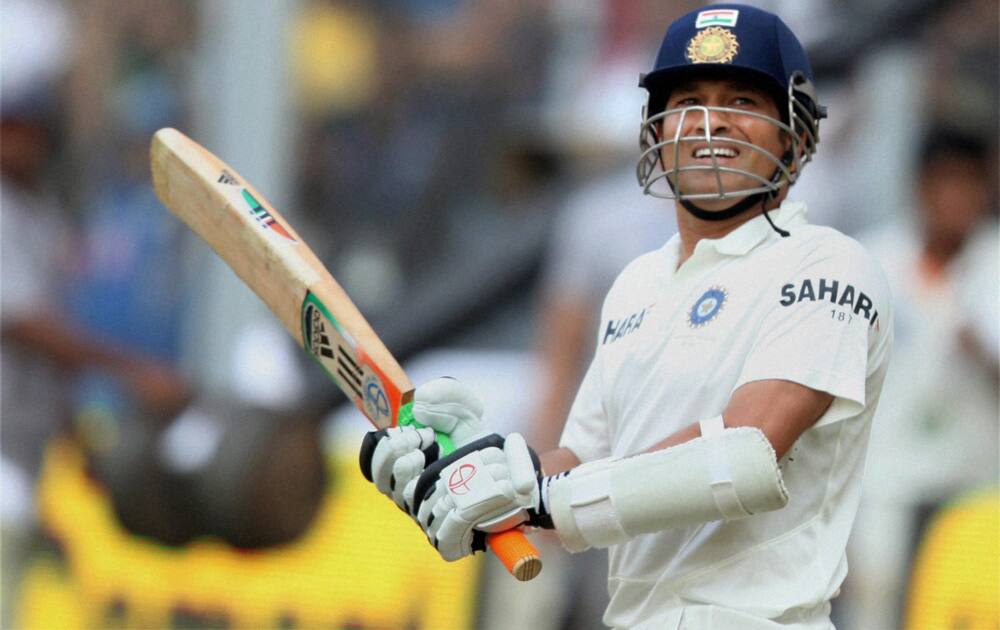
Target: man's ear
<point x="789" y="146"/>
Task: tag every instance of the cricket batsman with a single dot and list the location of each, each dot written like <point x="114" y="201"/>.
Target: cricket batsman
<point x="717" y="442"/>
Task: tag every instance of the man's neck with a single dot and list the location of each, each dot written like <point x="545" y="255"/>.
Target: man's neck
<point x="941" y="250"/>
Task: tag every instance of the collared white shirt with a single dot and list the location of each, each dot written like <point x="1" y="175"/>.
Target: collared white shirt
<point x="674" y="343"/>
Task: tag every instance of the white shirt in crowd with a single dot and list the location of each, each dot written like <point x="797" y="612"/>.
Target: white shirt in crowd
<point x="33" y="406"/>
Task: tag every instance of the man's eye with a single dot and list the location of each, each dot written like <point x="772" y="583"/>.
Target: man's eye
<point x="686" y="101"/>
<point x="744" y="101"/>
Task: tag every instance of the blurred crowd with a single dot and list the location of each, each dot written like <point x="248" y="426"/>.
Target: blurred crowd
<point x="466" y="169"/>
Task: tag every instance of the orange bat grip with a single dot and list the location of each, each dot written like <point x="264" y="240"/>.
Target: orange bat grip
<point x="517" y="553"/>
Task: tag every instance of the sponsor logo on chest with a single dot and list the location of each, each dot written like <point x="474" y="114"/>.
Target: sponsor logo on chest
<point x="618" y="328"/>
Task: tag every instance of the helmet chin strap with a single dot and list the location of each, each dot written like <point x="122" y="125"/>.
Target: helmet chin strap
<point x="739" y="207"/>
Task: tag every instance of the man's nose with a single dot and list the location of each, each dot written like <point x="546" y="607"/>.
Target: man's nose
<point x="714" y="121"/>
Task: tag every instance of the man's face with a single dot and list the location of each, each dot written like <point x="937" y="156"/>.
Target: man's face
<point x="25" y="150"/>
<point x="955" y="195"/>
<point x="721" y="126"/>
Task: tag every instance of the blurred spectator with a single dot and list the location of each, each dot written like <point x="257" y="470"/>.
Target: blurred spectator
<point x="441" y="84"/>
<point x="936" y="429"/>
<point x="857" y="183"/>
<point x="36" y="331"/>
<point x="42" y="345"/>
<point x="34" y="243"/>
<point x="126" y="284"/>
<point x="963" y="58"/>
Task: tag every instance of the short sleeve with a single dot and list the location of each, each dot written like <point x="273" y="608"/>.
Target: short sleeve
<point x="586" y="431"/>
<point x="823" y="327"/>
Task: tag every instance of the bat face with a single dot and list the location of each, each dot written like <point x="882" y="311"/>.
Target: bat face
<point x="273" y="260"/>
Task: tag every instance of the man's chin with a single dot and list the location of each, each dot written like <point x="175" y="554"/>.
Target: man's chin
<point x="711" y="195"/>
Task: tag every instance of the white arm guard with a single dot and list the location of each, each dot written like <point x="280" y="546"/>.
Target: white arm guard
<point x="725" y="474"/>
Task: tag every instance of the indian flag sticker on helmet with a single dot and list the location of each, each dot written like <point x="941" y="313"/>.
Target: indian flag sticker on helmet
<point x="713" y="45"/>
<point x="718" y="17"/>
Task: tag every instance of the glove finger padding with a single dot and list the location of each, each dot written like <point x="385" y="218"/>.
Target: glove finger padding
<point x="453" y="538"/>
<point x="399" y="455"/>
<point x="523" y="467"/>
<point x="406" y="469"/>
<point x="448" y="406"/>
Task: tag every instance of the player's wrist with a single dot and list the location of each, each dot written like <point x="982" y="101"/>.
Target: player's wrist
<point x="541" y="516"/>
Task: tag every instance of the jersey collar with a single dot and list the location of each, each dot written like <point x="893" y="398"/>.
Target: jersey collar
<point x="740" y="241"/>
<point x="757" y="230"/>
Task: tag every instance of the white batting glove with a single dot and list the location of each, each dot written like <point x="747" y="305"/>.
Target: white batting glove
<point x="449" y="407"/>
<point x="491" y="485"/>
<point x="394" y="458"/>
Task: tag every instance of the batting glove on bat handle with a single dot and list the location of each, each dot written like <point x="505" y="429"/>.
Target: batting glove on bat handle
<point x="520" y="557"/>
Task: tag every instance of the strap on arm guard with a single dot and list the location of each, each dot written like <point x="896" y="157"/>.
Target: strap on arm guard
<point x="724" y="474"/>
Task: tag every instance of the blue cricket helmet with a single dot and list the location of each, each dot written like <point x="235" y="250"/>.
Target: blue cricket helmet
<point x="730" y="41"/>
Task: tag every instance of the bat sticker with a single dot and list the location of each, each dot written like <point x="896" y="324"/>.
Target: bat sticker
<point x="257" y="209"/>
<point x="328" y="343"/>
<point x="264" y="217"/>
<point x="375" y="401"/>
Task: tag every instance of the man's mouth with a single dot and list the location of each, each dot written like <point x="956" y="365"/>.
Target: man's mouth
<point x="707" y="153"/>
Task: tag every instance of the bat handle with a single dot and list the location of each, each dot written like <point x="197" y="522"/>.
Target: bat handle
<point x="512" y="547"/>
<point x="516" y="553"/>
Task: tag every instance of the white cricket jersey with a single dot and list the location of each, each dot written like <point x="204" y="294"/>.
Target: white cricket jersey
<point x="813" y="308"/>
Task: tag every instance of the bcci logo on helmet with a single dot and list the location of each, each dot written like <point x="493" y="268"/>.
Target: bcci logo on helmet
<point x="713" y="45"/>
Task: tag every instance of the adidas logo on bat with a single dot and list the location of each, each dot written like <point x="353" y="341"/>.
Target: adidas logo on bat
<point x="227" y="178"/>
<point x="327" y="351"/>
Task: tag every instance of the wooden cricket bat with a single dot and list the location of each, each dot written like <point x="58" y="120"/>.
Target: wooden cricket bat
<point x="273" y="260"/>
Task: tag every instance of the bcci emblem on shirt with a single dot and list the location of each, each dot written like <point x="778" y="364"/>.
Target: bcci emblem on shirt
<point x="707" y="307"/>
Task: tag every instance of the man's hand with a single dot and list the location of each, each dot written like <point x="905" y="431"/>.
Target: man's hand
<point x="394" y="458"/>
<point x="490" y="485"/>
